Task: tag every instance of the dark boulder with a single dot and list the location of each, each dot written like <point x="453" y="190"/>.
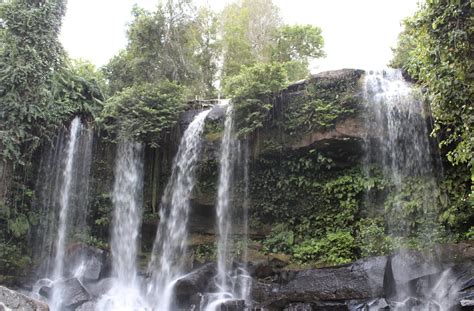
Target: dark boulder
<point x="12" y="300"/>
<point x="188" y="287"/>
<point x="97" y="289"/>
<point x="73" y="293"/>
<point x="232" y="305"/>
<point x="85" y="262"/>
<point x="360" y="280"/>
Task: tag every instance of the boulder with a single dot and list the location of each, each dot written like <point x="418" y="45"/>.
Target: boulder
<point x="362" y="279"/>
<point x="97" y="289"/>
<point x="85" y="262"/>
<point x="12" y="300"/>
<point x="189" y="286"/>
<point x="232" y="305"/>
<point x="73" y="293"/>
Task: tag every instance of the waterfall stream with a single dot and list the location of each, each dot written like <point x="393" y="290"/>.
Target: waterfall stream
<point x="125" y="293"/>
<point x="231" y="283"/>
<point x="397" y="142"/>
<point x="169" y="248"/>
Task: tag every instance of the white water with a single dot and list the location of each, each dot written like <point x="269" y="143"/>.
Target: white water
<point x="398" y="142"/>
<point x="63" y="214"/>
<point x="231" y="283"/>
<point x="125" y="293"/>
<point x="169" y="248"/>
<point x="223" y="203"/>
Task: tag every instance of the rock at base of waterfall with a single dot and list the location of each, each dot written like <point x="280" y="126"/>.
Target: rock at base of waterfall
<point x="12" y="300"/>
<point x="194" y="283"/>
<point x="232" y="305"/>
<point x="100" y="288"/>
<point x="73" y="293"/>
<point x="360" y="280"/>
<point x="87" y="306"/>
<point x="299" y="307"/>
<point x="86" y="262"/>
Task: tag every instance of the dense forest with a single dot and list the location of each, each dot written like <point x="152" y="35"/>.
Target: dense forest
<point x="179" y="55"/>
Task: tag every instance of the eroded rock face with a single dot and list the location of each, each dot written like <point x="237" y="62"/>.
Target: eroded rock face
<point x="12" y="300"/>
<point x="73" y="293"/>
<point x="190" y="286"/>
<point x="360" y="280"/>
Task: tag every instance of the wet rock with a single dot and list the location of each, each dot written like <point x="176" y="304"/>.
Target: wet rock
<point x="372" y="304"/>
<point x="87" y="306"/>
<point x="12" y="300"/>
<point x="232" y="305"/>
<point x="85" y="262"/>
<point x="99" y="288"/>
<point x="299" y="307"/>
<point x="409" y="264"/>
<point x="193" y="283"/>
<point x="73" y="293"/>
<point x="360" y="280"/>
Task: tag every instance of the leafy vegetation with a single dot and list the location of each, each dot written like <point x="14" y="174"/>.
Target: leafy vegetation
<point x="144" y="112"/>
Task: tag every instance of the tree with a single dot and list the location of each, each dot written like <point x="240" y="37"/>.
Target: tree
<point x="30" y="53"/>
<point x="177" y="42"/>
<point x="295" y="46"/>
<point x="248" y="29"/>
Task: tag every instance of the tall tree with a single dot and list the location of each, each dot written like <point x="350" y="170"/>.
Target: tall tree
<point x="31" y="51"/>
<point x="248" y="29"/>
<point x="296" y="46"/>
<point x="177" y="42"/>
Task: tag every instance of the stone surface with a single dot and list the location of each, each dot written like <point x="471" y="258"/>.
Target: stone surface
<point x="97" y="289"/>
<point x="85" y="262"/>
<point x="12" y="300"/>
<point x="193" y="283"/>
<point x="360" y="280"/>
<point x="232" y="305"/>
<point x="73" y="293"/>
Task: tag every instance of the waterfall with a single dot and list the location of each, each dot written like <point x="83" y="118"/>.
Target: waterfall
<point x="397" y="141"/>
<point x="231" y="284"/>
<point x="245" y="280"/>
<point x="65" y="194"/>
<point x="397" y="136"/>
<point x="223" y="203"/>
<point x="127" y="195"/>
<point x="169" y="248"/>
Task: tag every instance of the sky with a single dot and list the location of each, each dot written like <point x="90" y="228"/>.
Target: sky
<point x="357" y="33"/>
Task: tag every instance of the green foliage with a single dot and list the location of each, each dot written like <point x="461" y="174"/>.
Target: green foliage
<point x="281" y="239"/>
<point x="144" y="112"/>
<point x="295" y="46"/>
<point x="252" y="92"/>
<point x="12" y="259"/>
<point x="371" y="238"/>
<point x="436" y="50"/>
<point x="336" y="248"/>
<point x="322" y="104"/>
<point x="29" y="54"/>
<point x="205" y="252"/>
<point x="177" y="42"/>
<point x="248" y="28"/>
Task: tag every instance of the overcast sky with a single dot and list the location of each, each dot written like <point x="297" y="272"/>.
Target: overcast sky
<point x="357" y="33"/>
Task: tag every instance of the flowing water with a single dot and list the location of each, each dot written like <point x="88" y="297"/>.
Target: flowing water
<point x="125" y="293"/>
<point x="398" y="143"/>
<point x="231" y="283"/>
<point x="169" y="250"/>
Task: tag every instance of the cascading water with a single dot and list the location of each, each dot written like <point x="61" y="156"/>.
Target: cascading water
<point x="397" y="142"/>
<point x="125" y="293"/>
<point x="231" y="284"/>
<point x="169" y="247"/>
<point x="64" y="211"/>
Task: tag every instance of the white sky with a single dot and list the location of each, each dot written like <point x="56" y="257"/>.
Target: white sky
<point x="357" y="33"/>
